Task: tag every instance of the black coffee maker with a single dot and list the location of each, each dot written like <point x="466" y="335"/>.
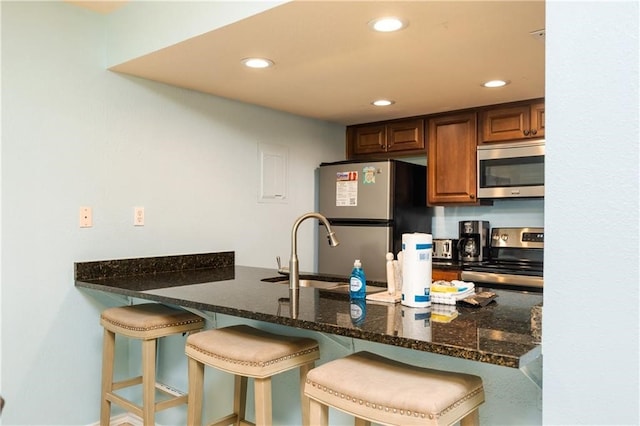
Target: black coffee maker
<point x="473" y="242"/>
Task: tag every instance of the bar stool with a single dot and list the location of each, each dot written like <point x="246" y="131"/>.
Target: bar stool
<point x="246" y="352"/>
<point x="375" y="389"/>
<point x="147" y="322"/>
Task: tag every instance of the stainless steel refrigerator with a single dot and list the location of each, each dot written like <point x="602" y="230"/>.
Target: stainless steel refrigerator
<point x="370" y="204"/>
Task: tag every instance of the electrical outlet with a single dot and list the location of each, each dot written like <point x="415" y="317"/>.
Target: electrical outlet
<point x="138" y="216"/>
<point x="86" y="217"/>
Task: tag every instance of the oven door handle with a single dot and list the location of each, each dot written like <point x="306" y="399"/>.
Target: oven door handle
<point x="488" y="277"/>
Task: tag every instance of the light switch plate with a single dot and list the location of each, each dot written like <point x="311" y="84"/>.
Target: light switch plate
<point x="138" y="216"/>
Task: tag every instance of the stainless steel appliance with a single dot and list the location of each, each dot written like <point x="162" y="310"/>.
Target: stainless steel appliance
<point x="445" y="249"/>
<point x="516" y="261"/>
<point x="511" y="170"/>
<point x="473" y="243"/>
<point x="370" y="204"/>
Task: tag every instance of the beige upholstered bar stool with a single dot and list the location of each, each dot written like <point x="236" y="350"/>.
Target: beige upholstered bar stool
<point x="246" y="352"/>
<point x="147" y="322"/>
<point x="375" y="389"/>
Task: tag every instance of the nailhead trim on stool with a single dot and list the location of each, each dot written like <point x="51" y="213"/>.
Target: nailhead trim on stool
<point x="147" y="322"/>
<point x="245" y="352"/>
<point x="378" y="389"/>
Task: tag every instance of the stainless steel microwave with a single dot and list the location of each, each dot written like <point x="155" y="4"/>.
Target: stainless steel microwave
<point x="511" y="170"/>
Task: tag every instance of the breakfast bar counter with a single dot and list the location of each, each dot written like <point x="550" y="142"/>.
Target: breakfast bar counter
<point x="502" y="333"/>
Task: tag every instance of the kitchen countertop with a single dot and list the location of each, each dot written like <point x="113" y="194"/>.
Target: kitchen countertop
<point x="500" y="333"/>
<point x="447" y="265"/>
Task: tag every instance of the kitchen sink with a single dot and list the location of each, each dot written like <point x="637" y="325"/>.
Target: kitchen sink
<point x="328" y="285"/>
<point x="319" y="284"/>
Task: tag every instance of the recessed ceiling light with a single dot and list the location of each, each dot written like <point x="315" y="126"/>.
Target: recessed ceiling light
<point x="388" y="24"/>
<point x="257" y="62"/>
<point x="383" y="102"/>
<point x="495" y="83"/>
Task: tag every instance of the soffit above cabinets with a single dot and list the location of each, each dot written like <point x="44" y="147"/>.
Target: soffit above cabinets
<point x="330" y="65"/>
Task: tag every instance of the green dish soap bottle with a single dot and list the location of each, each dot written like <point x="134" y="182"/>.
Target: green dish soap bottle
<point x="357" y="282"/>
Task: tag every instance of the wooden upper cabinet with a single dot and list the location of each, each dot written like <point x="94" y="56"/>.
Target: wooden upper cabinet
<point x="399" y="137"/>
<point x="537" y="119"/>
<point x="451" y="141"/>
<point x="369" y="139"/>
<point x="405" y="135"/>
<point x="451" y="159"/>
<point x="512" y="122"/>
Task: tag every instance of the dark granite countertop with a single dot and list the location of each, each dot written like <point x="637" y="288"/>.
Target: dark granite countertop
<point x="500" y="333"/>
<point x="447" y="265"/>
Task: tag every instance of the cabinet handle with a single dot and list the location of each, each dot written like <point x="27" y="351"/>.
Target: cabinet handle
<point x="526" y="132"/>
<point x="472" y="196"/>
<point x="534" y="132"/>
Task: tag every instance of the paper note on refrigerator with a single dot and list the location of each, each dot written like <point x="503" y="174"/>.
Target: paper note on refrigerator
<point x="347" y="189"/>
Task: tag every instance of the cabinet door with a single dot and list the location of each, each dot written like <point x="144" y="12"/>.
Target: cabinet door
<point x="537" y="120"/>
<point x="405" y="135"/>
<point x="505" y="124"/>
<point x="369" y="139"/>
<point x="451" y="160"/>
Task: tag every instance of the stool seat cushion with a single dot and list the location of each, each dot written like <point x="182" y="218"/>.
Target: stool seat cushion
<point x="149" y="320"/>
<point x="247" y="351"/>
<point x="379" y="389"/>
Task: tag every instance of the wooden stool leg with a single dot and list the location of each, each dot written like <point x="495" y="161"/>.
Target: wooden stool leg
<point x="108" y="351"/>
<point x="148" y="382"/>
<point x="263" y="401"/>
<point x="471" y="419"/>
<point x="240" y="398"/>
<point x="318" y="413"/>
<point x="361" y="422"/>
<point x="195" y="392"/>
<point x="304" y="400"/>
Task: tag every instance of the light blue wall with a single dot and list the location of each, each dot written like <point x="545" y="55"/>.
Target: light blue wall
<point x="146" y="26"/>
<point x="502" y="213"/>
<point x="74" y="134"/>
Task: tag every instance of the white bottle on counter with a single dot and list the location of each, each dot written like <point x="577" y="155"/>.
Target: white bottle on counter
<point x="391" y="274"/>
<point x="398" y="268"/>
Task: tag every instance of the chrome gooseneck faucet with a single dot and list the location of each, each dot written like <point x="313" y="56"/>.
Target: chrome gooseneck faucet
<point x="294" y="269"/>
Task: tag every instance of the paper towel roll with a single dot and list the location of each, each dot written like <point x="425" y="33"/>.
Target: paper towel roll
<point x="416" y="269"/>
<point x="416" y="323"/>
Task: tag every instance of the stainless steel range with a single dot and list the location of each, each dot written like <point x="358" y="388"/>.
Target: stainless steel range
<point x="515" y="260"/>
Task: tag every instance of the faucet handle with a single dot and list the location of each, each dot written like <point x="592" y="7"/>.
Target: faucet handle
<point x="281" y="270"/>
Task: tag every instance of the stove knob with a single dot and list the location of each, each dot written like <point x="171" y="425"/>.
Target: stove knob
<point x="504" y="237"/>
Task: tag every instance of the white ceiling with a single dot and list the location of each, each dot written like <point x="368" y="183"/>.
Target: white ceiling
<point x="330" y="65"/>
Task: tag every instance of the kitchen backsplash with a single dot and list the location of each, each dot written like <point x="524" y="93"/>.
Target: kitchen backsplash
<point x="503" y="213"/>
